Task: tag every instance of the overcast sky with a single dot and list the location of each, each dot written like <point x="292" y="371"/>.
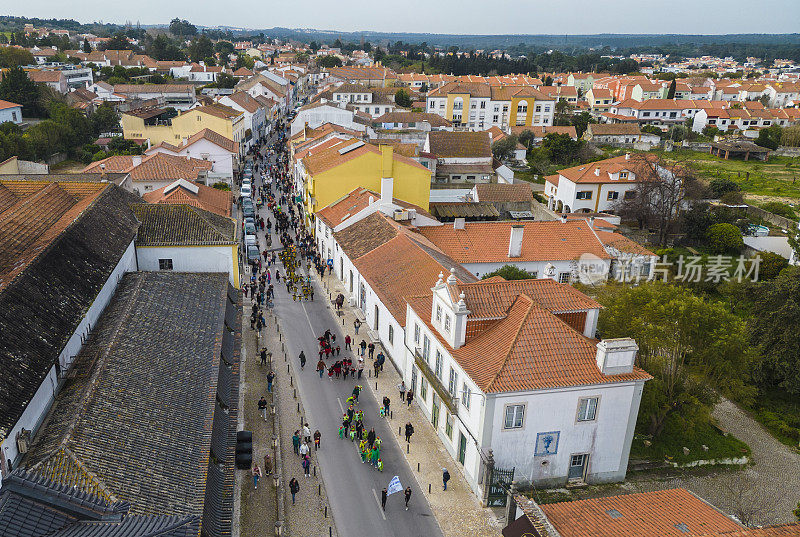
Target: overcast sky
<point x="445" y="16"/>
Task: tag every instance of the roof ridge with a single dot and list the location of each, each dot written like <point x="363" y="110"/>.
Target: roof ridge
<point x="513" y="341"/>
<point x="208" y="222"/>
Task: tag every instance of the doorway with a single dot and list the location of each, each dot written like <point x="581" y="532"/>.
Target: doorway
<point x="577" y="466"/>
<point x="435" y="412"/>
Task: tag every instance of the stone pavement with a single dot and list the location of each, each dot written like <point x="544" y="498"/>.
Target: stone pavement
<point x="457" y="510"/>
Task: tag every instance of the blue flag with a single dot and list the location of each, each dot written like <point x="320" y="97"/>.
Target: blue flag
<point x="394" y="486"/>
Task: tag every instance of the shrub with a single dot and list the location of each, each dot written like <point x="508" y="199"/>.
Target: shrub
<point x="781" y="209"/>
<point x="721" y="185"/>
<point x="724" y="238"/>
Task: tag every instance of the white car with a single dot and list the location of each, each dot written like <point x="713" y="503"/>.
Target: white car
<point x="247" y="191"/>
<point x="250" y="240"/>
<point x="247" y="183"/>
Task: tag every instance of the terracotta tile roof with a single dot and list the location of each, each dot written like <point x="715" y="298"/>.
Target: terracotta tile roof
<point x="8" y="104"/>
<point x="185" y="225"/>
<point x="155" y="167"/>
<point x="639" y="163"/>
<point x="326" y="160"/>
<point x="361" y="238"/>
<point x="363" y="73"/>
<point x="217" y="110"/>
<point x="215" y="138"/>
<point x="664" y="513"/>
<point x="497" y="192"/>
<point x="358" y="199"/>
<point x="243" y="99"/>
<point x="541" y="131"/>
<point x="612" y="129"/>
<point x="399" y="116"/>
<point x="621" y="243"/>
<point x="181" y="193"/>
<point x="487" y="242"/>
<point x="461" y="144"/>
<point x="474" y="89"/>
<point x="45" y="76"/>
<point x="516" y="340"/>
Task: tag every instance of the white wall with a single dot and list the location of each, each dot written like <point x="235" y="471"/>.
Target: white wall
<point x="189" y="258"/>
<point x="40" y="403"/>
<point x="14" y="115"/>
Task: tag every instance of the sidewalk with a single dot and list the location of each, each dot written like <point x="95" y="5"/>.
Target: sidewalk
<point x="457" y="510"/>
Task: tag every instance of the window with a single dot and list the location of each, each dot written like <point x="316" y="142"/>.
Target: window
<point x="452" y="385"/>
<point x="438" y="313"/>
<point x="645" y="114"/>
<point x="416" y="334"/>
<point x="426" y="347"/>
<point x="522" y="108"/>
<point x="377" y="317"/>
<point x="623" y="175"/>
<point x="448" y="425"/>
<point x="538" y="108"/>
<point x="563" y="277"/>
<point x="473" y="105"/>
<point x="391" y="335"/>
<point x="447" y="323"/>
<point x="583" y="195"/>
<point x="515" y="416"/>
<point x="423" y="388"/>
<point x="494" y="118"/>
<point x="199" y="118"/>
<point x="465" y="395"/>
<point x="630" y="194"/>
<point x="613" y="195"/>
<point x="165" y="264"/>
<point x="438" y="366"/>
<point x="587" y="408"/>
<point x="483" y="104"/>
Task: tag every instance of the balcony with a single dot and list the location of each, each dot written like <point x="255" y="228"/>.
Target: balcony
<point x="449" y="401"/>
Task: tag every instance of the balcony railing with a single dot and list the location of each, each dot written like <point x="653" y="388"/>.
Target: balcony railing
<point x="447" y="398"/>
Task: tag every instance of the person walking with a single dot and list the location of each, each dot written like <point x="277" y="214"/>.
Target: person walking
<point x="267" y="464"/>
<point x="264" y="356"/>
<point x="262" y="407"/>
<point x="402" y="388"/>
<point x="294" y="488"/>
<point x="296" y="442"/>
<point x="306" y="464"/>
<point x="409" y="397"/>
<point x="347" y="342"/>
<point x="445" y="478"/>
<point x="306" y="434"/>
<point x="317" y="438"/>
<point x="386" y="402"/>
<point x="303" y="450"/>
<point x="256" y="474"/>
<point x="371" y="437"/>
<point x="357" y="325"/>
<point x="371" y="348"/>
<point x="409" y="431"/>
<point x="408" y="496"/>
<point x="363" y="346"/>
<point x="302" y="359"/>
<point x="384" y="495"/>
<point x="376" y="366"/>
<point x="270" y="378"/>
<point x="321" y="367"/>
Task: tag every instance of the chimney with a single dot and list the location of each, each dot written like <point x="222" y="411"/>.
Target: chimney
<point x="515" y="241"/>
<point x="627" y="156"/>
<point x="591" y="222"/>
<point x="387" y="160"/>
<point x="458" y="223"/>
<point x="371" y="200"/>
<point x="387" y="184"/>
<point x="616" y="356"/>
<point x="136" y="160"/>
<point x="597" y="171"/>
<point x="564" y="218"/>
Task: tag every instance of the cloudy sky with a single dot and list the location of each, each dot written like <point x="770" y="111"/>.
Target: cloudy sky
<point x="445" y="16"/>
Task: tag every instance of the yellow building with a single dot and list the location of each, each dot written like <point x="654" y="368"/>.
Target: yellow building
<point x="154" y="124"/>
<point x="334" y="172"/>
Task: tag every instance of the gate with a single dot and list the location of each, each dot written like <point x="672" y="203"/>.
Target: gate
<point x="499" y="483"/>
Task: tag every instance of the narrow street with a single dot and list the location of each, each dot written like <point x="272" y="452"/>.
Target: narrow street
<point x="353" y="488"/>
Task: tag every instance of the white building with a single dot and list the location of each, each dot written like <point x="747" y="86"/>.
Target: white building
<point x="316" y="114"/>
<point x="10" y="112"/>
<point x="255" y="115"/>
<point x="207" y="145"/>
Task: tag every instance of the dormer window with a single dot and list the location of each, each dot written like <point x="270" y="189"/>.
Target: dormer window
<point x="438" y="313"/>
<point x="623" y="175"/>
<point x="447" y="323"/>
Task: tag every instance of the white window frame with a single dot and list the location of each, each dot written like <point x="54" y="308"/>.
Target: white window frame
<point x="517" y="408"/>
<point x="585" y="408"/>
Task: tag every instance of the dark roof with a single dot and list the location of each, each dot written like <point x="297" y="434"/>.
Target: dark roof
<point x="32" y="506"/>
<point x="111" y="434"/>
<point x="64" y="249"/>
<point x="116" y="178"/>
<point x="460" y="144"/>
<point x="365" y="235"/>
<point x="182" y="224"/>
<point x="464" y="210"/>
<point x="740" y="145"/>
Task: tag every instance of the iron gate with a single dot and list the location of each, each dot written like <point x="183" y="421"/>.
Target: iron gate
<point x="499" y="483"/>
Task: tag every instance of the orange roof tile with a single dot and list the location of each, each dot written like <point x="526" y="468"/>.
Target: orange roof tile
<point x="208" y="198"/>
<point x="641" y="164"/>
<point x="158" y="166"/>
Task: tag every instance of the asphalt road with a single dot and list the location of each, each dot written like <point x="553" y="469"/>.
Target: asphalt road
<point x="354" y="489"/>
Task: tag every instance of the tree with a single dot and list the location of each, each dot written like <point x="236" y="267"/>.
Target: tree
<point x="104" y="119"/>
<point x="724" y="239"/>
<point x="548" y="80"/>
<point x="503" y="149"/>
<point x="561" y="148"/>
<point x="402" y="98"/>
<point x="87" y="48"/>
<point x="581" y="122"/>
<point x="182" y="28"/>
<point x="771" y="265"/>
<point x="770" y="137"/>
<point x="14" y="57"/>
<point x="18" y="88"/>
<point x="314" y="46"/>
<point x="329" y="61"/>
<point x="163" y="48"/>
<point x="201" y="48"/>
<point x="721" y="185"/>
<point x="688" y="344"/>
<point x="773" y="329"/>
<point x="779" y="208"/>
<point x="671" y="90"/>
<point x="118" y="42"/>
<point x="78" y="131"/>
<point x="510" y="272"/>
<point x="224" y="48"/>
<point x="224" y="80"/>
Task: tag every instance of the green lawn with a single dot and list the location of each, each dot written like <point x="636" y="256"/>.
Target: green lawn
<point x="777" y="177"/>
<point x="670" y="447"/>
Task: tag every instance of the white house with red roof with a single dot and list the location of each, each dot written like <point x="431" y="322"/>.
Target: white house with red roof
<point x="511" y="372"/>
<point x="206" y="145"/>
<point x="10" y="112"/>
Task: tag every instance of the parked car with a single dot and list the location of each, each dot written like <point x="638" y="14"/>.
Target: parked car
<point x="251" y="240"/>
<point x="249" y="229"/>
<point x="248" y="211"/>
<point x="246" y="191"/>
<point x="252" y="254"/>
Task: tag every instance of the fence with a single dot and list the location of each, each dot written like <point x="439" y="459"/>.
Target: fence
<point x="772" y="218"/>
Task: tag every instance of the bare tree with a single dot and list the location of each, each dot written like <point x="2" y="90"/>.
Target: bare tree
<point x="662" y="189"/>
<point x="745" y="499"/>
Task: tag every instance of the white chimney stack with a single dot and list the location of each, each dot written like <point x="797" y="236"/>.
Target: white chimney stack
<point x="616" y="356"/>
<point x="387" y="186"/>
<point x="515" y="241"/>
<point x="627" y="156"/>
<point x="597" y="171"/>
<point x="458" y="223"/>
<point x="563" y="218"/>
<point x="371" y="200"/>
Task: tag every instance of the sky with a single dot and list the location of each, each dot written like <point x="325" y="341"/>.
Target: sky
<point x="445" y="16"/>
